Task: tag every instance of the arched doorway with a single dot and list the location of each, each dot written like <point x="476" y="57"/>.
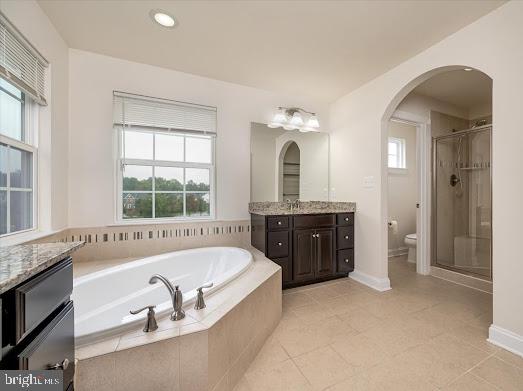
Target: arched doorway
<point x="424" y="124"/>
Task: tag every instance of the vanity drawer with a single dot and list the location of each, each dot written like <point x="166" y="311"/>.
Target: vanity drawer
<point x="345" y="260"/>
<point x="281" y="222"/>
<point x="345" y="218"/>
<point x="345" y="237"/>
<point x="52" y="346"/>
<point x="314" y="221"/>
<point x="36" y="299"/>
<point x="278" y="244"/>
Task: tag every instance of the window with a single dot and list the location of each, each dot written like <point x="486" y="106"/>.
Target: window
<point x="397" y="153"/>
<point x="164" y="173"/>
<point x="17" y="161"/>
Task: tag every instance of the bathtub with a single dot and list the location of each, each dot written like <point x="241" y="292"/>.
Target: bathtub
<point x="103" y="299"/>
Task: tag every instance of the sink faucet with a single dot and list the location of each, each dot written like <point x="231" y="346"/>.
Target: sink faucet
<point x="297" y="203"/>
<point x="175" y="293"/>
<point x="290" y="204"/>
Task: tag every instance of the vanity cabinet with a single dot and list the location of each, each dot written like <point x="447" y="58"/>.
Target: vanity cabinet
<point x="309" y="248"/>
<point x="37" y="323"/>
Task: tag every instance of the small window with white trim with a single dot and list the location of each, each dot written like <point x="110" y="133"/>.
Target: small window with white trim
<point x="396" y="150"/>
<point x="17" y="161"/>
<point x="166" y="159"/>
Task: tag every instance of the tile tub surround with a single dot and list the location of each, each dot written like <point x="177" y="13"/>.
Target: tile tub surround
<point x="138" y="241"/>
<point x="208" y="350"/>
<point x="306" y="207"/>
<point x="20" y="262"/>
<point x="424" y="334"/>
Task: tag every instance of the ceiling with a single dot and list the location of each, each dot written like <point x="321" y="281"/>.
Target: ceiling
<point x="463" y="89"/>
<point x="320" y="49"/>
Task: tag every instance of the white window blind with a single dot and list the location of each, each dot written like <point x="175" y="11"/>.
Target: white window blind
<point x="20" y="62"/>
<point x="161" y="114"/>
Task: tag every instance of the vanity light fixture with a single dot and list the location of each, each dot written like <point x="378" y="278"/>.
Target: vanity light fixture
<point x="292" y="118"/>
<point x="163" y="18"/>
<point x="467" y="69"/>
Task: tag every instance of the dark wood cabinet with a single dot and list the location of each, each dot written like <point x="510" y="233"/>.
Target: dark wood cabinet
<point x="309" y="248"/>
<point x="303" y="255"/>
<point x="37" y="322"/>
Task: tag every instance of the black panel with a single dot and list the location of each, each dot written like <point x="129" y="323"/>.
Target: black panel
<point x="324" y="252"/>
<point x="345" y="237"/>
<point x="40" y="296"/>
<point x="286" y="269"/>
<point x="345" y="219"/>
<point x="258" y="232"/>
<point x="278" y="244"/>
<point x="312" y="221"/>
<point x="52" y="345"/>
<point x="303" y="255"/>
<point x="278" y="222"/>
<point x="345" y="261"/>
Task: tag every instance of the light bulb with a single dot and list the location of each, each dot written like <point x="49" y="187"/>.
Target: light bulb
<point x="313" y="122"/>
<point x="296" y="119"/>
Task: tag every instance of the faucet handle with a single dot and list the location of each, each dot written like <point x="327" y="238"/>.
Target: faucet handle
<point x="150" y="324"/>
<point x="150" y="307"/>
<point x="208" y="285"/>
<point x="200" y="302"/>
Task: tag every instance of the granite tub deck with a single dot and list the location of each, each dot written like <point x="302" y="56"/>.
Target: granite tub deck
<point x="306" y="207"/>
<point x="21" y="262"/>
<point x="208" y="350"/>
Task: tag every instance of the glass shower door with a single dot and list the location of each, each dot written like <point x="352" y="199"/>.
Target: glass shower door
<point x="462" y="214"/>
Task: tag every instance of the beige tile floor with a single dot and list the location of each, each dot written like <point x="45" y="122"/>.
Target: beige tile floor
<point x="424" y="334"/>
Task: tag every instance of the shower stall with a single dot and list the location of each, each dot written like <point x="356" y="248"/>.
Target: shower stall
<point x="462" y="202"/>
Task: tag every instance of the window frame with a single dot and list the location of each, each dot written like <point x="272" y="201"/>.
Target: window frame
<point x="401" y="156"/>
<point x="121" y="162"/>
<point x="27" y="144"/>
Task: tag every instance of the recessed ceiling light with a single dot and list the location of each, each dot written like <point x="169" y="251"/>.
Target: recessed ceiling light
<point x="163" y="18"/>
<point x="467" y="69"/>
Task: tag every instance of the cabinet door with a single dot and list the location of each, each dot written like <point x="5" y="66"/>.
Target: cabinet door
<point x="324" y="252"/>
<point x="303" y="254"/>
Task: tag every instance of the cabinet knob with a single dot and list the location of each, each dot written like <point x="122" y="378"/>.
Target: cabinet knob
<point x="346" y="236"/>
<point x="346" y="219"/>
<point x="280" y="243"/>
<point x="346" y="260"/>
<point x="61" y="365"/>
<point x="279" y="223"/>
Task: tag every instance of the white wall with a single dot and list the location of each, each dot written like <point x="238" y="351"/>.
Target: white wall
<point x="402" y="195"/>
<point x="358" y="146"/>
<point x="53" y="136"/>
<point x="421" y="106"/>
<point x="92" y="80"/>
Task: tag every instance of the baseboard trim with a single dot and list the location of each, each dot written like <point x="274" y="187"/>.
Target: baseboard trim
<point x="379" y="284"/>
<point x="506" y="339"/>
<point x="394" y="252"/>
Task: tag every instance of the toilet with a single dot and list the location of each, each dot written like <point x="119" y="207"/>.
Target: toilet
<point x="410" y="241"/>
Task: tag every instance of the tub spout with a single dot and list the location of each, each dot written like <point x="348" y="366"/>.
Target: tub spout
<point x="175" y="293"/>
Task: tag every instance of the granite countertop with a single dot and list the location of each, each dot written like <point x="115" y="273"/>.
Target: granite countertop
<point x="18" y="263"/>
<point x="306" y="207"/>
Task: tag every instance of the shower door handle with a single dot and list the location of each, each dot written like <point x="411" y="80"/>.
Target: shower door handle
<point x="417" y="205"/>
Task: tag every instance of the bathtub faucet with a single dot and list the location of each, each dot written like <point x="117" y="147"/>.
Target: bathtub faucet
<point x="176" y="296"/>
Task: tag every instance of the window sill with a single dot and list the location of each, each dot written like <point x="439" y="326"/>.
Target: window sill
<point x="24" y="237"/>
<point x="125" y="223"/>
<point x="398" y="171"/>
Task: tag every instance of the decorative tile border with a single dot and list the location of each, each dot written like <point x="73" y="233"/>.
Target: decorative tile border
<point x="102" y="243"/>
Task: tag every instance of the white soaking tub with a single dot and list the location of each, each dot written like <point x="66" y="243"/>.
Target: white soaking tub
<point x="103" y="299"/>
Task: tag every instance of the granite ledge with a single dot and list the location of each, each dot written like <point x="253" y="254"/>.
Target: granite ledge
<point x="21" y="262"/>
<point x="306" y="207"/>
